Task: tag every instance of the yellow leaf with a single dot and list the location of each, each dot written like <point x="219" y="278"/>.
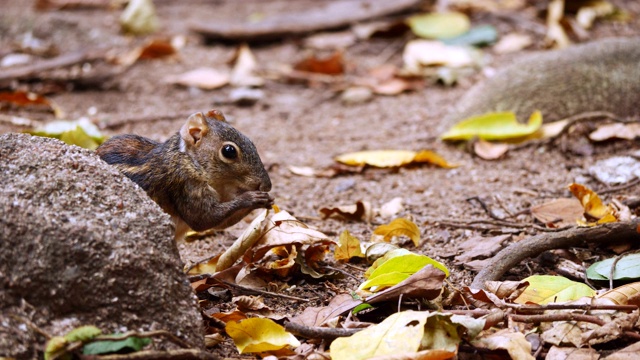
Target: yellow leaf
<point x="494" y="126"/>
<point x="439" y="25"/>
<point x="593" y="206"/>
<point x="259" y="335"/>
<point x="399" y="227"/>
<point x="348" y="247"/>
<point x="544" y="289"/>
<point x="392" y="158"/>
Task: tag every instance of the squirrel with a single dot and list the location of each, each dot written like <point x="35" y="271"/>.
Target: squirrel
<point x="603" y="75"/>
<point x="206" y="176"/>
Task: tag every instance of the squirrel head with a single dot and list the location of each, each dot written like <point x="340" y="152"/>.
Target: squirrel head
<point x="228" y="159"/>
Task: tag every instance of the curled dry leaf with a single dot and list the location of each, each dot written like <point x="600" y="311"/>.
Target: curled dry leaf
<point x="616" y="131"/>
<point x="489" y="151"/>
<point x="348" y="247"/>
<point x="244" y="69"/>
<point x="555" y="32"/>
<point x="480" y="247"/>
<point x="392" y="158"/>
<point x="419" y="55"/>
<point x="391" y="208"/>
<point x="508" y="339"/>
<point x="204" y="78"/>
<point x="30" y="100"/>
<point x="628" y="294"/>
<point x="319" y="316"/>
<point x="361" y="211"/>
<point x="399" y="227"/>
<point x="594" y="209"/>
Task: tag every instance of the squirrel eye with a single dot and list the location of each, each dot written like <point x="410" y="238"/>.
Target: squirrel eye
<point x="229" y="151"/>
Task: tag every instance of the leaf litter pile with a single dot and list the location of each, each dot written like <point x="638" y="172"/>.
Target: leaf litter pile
<point x="311" y="288"/>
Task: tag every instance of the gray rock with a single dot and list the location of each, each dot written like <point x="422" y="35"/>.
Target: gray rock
<point x="81" y="244"/>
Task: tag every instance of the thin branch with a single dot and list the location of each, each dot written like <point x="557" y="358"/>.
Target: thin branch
<point x="318" y="332"/>
<point x="32" y="70"/>
<point x="181" y="354"/>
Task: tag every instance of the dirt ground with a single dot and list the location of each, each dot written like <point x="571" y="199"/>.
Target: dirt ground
<point x="302" y="125"/>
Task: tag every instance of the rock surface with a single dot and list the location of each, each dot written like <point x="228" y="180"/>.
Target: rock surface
<point x="80" y="244"/>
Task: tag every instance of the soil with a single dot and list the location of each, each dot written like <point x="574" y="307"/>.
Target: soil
<point x="300" y="124"/>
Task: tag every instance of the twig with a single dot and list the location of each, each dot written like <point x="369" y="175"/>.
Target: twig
<point x="30" y="324"/>
<point x="354" y="267"/>
<point x="502" y="223"/>
<point x="587" y="307"/>
<point x="485" y="207"/>
<point x="342" y="272"/>
<point x="318" y="332"/>
<point x="615" y="262"/>
<point x="31" y="70"/>
<point x="181" y="354"/>
<point x="613" y="189"/>
<point x="512" y="255"/>
<point x="262" y="292"/>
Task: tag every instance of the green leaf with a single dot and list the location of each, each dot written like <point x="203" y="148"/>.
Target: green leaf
<point x="83" y="333"/>
<point x="439" y="25"/>
<point x="544" y="289"/>
<point x="397" y="266"/>
<point x="361" y="307"/>
<point x="56" y="347"/>
<point x="628" y="267"/>
<point x="480" y="35"/>
<point x="81" y="132"/>
<point x="130" y="344"/>
<point x="494" y="126"/>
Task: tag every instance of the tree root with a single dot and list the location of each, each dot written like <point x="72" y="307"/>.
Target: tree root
<point x="534" y="246"/>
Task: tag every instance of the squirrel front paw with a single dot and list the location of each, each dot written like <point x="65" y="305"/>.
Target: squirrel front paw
<point x="257" y="199"/>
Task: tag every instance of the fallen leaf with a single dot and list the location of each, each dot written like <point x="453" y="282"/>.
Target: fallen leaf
<point x="392" y="158"/>
<point x="591" y="10"/>
<point x="424" y="284"/>
<point x="332" y="65"/>
<point x="476" y="36"/>
<point x="628" y="294"/>
<point x="139" y="17"/>
<point x="544" y="289"/>
<point x="319" y="316"/>
<point x="507" y="339"/>
<point x="244" y="70"/>
<point x="399" y="227"/>
<point x="391" y="208"/>
<point x="331" y="40"/>
<point x="493" y="126"/>
<point x="571" y="353"/>
<point x="604" y="132"/>
<point x="348" y="247"/>
<point x="377" y="250"/>
<point x="361" y="211"/>
<point x="130" y="344"/>
<point x="81" y="132"/>
<point x="356" y="95"/>
<point x="512" y="42"/>
<point x="555" y="32"/>
<point x="594" y="209"/>
<point x="489" y="151"/>
<point x="204" y="78"/>
<point x="393" y="269"/>
<point x="627" y="268"/>
<point x="480" y="247"/>
<point x="558" y="213"/>
<point x="421" y="54"/>
<point x="259" y="335"/>
<point x="439" y="25"/>
<point x="30" y="100"/>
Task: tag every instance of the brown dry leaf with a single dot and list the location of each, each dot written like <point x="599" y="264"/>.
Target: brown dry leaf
<point x="29" y="100"/>
<point x="509" y="290"/>
<point x="244" y="69"/>
<point x="594" y="209"/>
<point x="628" y="294"/>
<point x="361" y="211"/>
<point x="514" y="342"/>
<point x="611" y="330"/>
<point x="628" y="353"/>
<point x="616" y="131"/>
<point x="425" y="284"/>
<point x="154" y="49"/>
<point x="318" y="316"/>
<point x="204" y="78"/>
<point x="489" y="151"/>
<point x="246" y="303"/>
<point x="571" y="353"/>
<point x="558" y="213"/>
<point x="284" y="265"/>
<point x="348" y="247"/>
<point x="207" y="266"/>
<point x="591" y="10"/>
<point x="480" y="247"/>
<point x="332" y="65"/>
<point x="282" y="229"/>
<point x="431" y="354"/>
<point x="399" y="227"/>
<point x="234" y="315"/>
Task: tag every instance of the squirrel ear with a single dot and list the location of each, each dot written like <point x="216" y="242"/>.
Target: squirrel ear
<point x="216" y="114"/>
<point x="194" y="129"/>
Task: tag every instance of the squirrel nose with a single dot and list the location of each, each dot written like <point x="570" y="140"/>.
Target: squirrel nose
<point x="265" y="185"/>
